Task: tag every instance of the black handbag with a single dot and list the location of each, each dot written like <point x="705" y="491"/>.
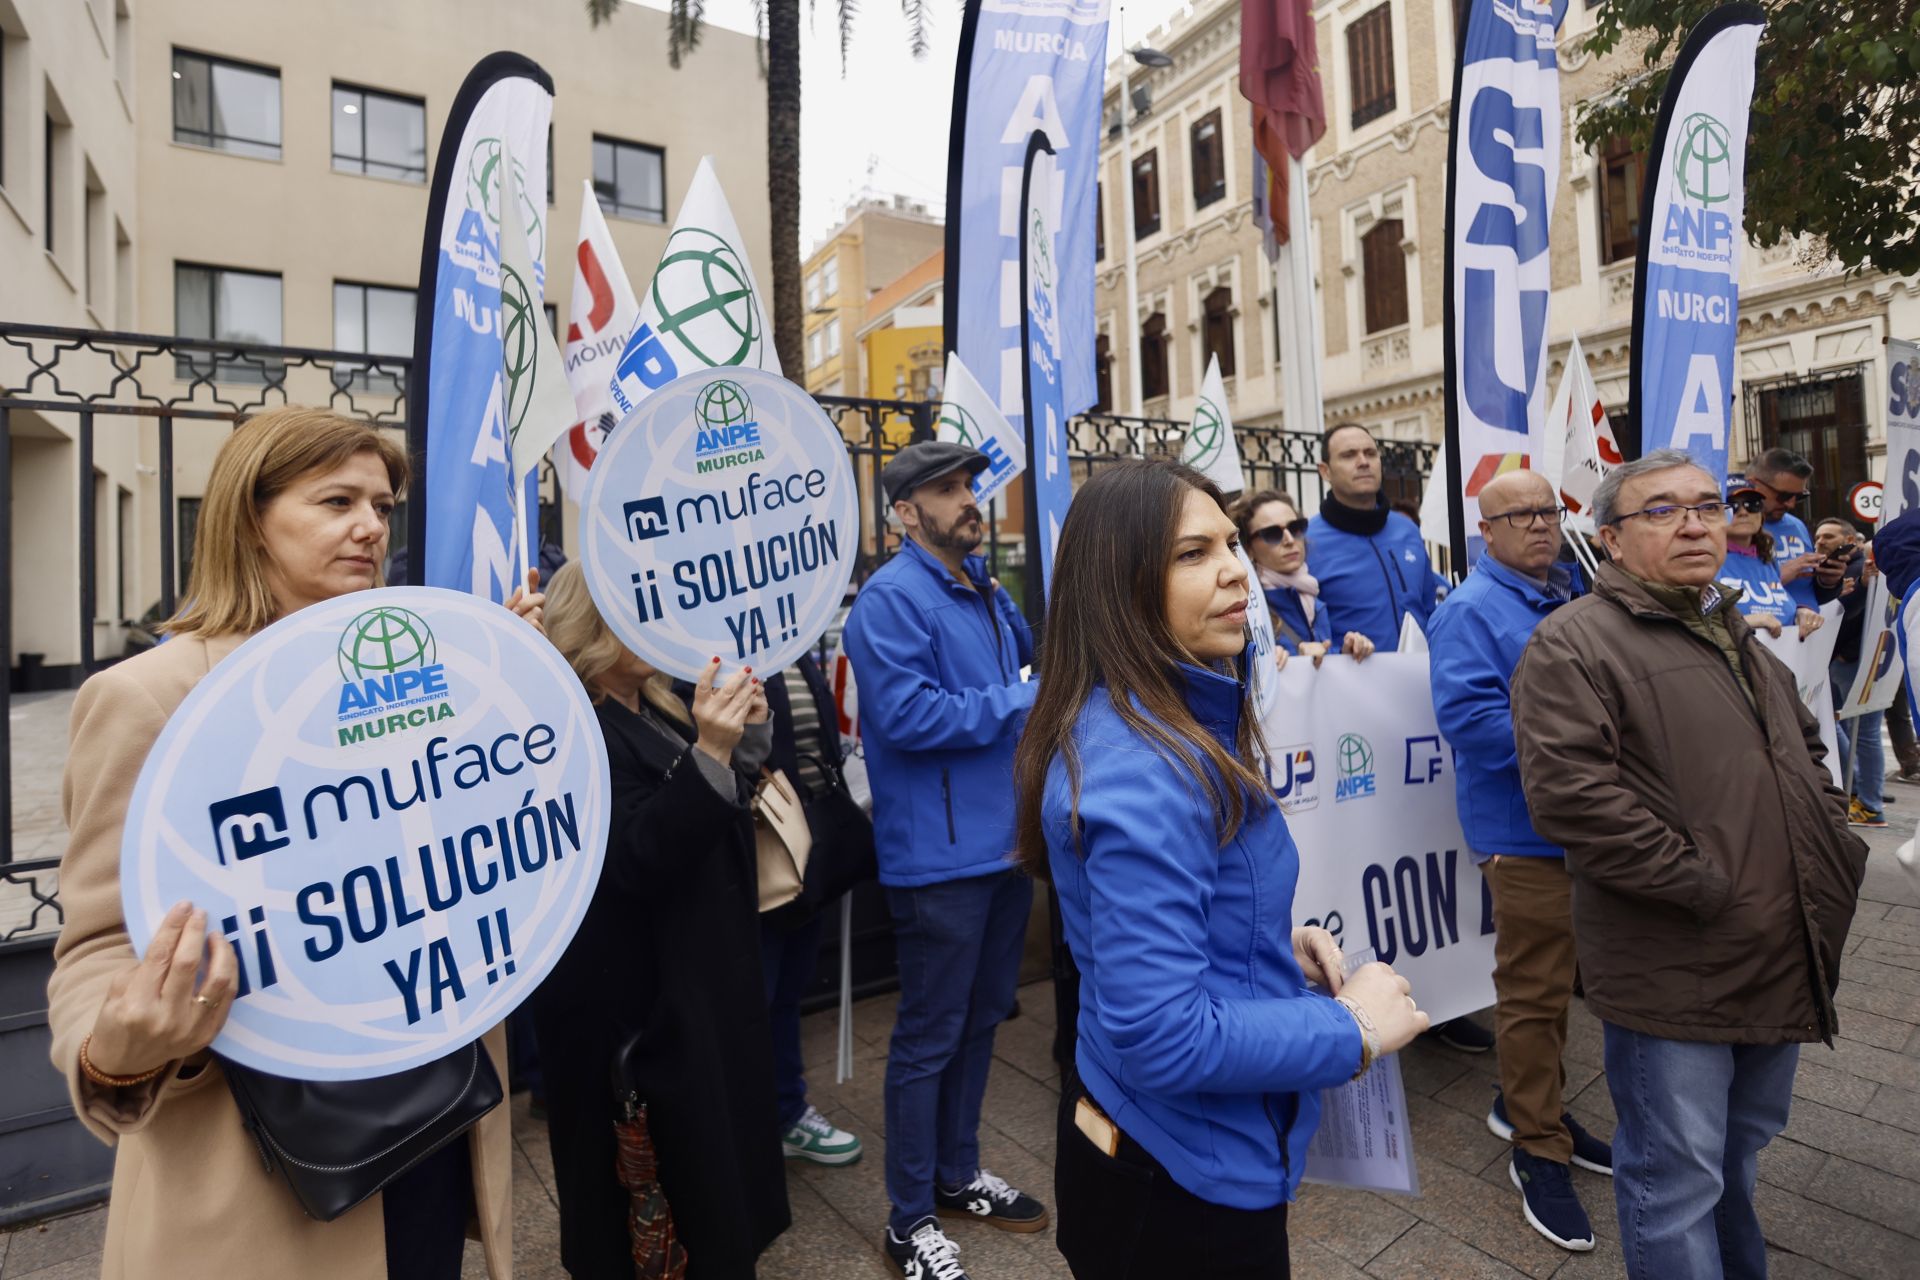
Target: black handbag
<point x="337" y="1142"/>
<point x="843" y="854"/>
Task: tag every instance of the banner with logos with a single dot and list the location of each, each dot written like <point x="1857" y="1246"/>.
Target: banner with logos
<point x="1580" y="444"/>
<point x="462" y="510"/>
<point x="604" y="313"/>
<point x="1209" y="446"/>
<point x="703" y="309"/>
<point x="1366" y="782"/>
<point x="1808" y="660"/>
<point x="1044" y="411"/>
<point x="1686" y="293"/>
<point x="1024" y="65"/>
<point x="1882" y="665"/>
<point x="721" y="518"/>
<point x="394" y="804"/>
<point x="969" y="416"/>
<point x="1502" y="174"/>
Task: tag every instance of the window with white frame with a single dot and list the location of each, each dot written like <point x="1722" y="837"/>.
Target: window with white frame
<point x="830" y="276"/>
<point x="833" y="337"/>
<point x="813" y="289"/>
<point x="816" y="345"/>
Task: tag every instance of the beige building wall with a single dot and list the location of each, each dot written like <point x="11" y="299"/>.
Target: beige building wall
<point x="880" y="240"/>
<point x="299" y="218"/>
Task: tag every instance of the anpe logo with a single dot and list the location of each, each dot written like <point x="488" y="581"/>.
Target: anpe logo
<point x="726" y="427"/>
<point x="1295" y="788"/>
<point x="962" y="423"/>
<point x="483" y="193"/>
<point x="1703" y="163"/>
<point x="1206" y="436"/>
<point x="519" y="342"/>
<point x="1354" y="756"/>
<point x="718" y="319"/>
<point x="392" y="679"/>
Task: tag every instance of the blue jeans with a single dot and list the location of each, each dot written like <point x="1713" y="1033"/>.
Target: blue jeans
<point x="959" y="945"/>
<point x="788" y="957"/>
<point x="1692" y="1120"/>
<point x="1870" y="775"/>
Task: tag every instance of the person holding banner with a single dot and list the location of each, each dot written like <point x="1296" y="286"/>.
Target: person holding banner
<point x="1844" y="570"/>
<point x="1370" y="562"/>
<point x="1200" y="1049"/>
<point x="1477" y="636"/>
<point x="296" y="512"/>
<point x="661" y="991"/>
<point x="1668" y="752"/>
<point x="1275" y="536"/>
<point x="1765" y="600"/>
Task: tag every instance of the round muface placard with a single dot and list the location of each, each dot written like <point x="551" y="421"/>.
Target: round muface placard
<point x="1266" y="679"/>
<point x="721" y="517"/>
<point x="394" y="804"/>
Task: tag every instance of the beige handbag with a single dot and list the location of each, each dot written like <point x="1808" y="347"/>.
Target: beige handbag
<point x="782" y="840"/>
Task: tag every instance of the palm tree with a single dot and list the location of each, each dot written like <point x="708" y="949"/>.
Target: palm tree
<point x="780" y="31"/>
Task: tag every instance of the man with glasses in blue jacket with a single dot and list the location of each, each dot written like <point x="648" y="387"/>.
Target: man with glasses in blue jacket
<point x="1476" y="638"/>
<point x="937" y="649"/>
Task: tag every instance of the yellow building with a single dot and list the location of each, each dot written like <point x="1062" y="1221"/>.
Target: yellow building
<point x="879" y="241"/>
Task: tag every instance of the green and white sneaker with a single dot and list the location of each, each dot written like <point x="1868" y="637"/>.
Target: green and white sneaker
<point x="813" y="1137"/>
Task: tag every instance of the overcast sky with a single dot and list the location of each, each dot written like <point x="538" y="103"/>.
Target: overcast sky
<point x="883" y="125"/>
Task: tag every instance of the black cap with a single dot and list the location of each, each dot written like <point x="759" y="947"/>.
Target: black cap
<point x="916" y="464"/>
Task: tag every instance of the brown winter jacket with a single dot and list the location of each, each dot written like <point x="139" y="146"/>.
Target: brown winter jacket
<point x="1714" y="877"/>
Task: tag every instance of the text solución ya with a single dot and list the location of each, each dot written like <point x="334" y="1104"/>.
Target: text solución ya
<point x="378" y="900"/>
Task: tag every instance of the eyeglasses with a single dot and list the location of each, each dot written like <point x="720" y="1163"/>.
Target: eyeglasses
<point x="1274" y="534"/>
<point x="1667" y="515"/>
<point x="1548" y="516"/>
<point x="1747" y="506"/>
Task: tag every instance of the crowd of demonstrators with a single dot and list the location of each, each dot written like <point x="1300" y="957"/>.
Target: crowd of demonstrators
<point x="295" y="512"/>
<point x="1671" y="757"/>
<point x="1753" y="569"/>
<point x="1845" y="570"/>
<point x="1200" y="1049"/>
<point x="938" y="648"/>
<point x="1274" y="534"/>
<point x="1476" y="638"/>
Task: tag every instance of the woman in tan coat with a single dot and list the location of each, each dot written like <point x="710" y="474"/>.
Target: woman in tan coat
<point x="296" y="512"/>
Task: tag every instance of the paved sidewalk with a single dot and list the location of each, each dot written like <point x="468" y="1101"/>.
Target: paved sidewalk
<point x="1839" y="1194"/>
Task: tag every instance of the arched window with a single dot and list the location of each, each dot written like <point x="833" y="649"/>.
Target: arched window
<point x="1217" y="336"/>
<point x="1153" y="357"/>
<point x="1383" y="275"/>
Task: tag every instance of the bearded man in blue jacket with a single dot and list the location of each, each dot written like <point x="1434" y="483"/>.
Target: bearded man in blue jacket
<point x="937" y="648"/>
<point x="1476" y="638"/>
<point x="1369" y="559"/>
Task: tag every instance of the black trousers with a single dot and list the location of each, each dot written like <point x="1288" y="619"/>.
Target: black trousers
<point x="1124" y="1218"/>
<point x="425" y="1212"/>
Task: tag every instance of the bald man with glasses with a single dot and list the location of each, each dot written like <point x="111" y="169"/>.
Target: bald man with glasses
<point x="1476" y="638"/>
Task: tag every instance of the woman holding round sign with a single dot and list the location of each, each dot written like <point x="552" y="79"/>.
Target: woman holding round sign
<point x="296" y="513"/>
<point x="661" y="994"/>
<point x="1200" y="1051"/>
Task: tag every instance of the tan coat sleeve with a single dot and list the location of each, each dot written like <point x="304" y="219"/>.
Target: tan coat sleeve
<point x="116" y="721"/>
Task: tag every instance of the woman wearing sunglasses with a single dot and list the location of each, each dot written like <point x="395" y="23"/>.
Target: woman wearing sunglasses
<point x="1764" y="600"/>
<point x="1275" y="535"/>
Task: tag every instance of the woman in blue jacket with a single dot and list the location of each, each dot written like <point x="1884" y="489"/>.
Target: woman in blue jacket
<point x="1275" y="535"/>
<point x="1200" y="1049"/>
<point x="1764" y="600"/>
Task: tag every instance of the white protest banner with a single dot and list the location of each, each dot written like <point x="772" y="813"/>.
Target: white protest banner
<point x="969" y="417"/>
<point x="1210" y="447"/>
<point x="604" y="313"/>
<point x="1883" y="668"/>
<point x="703" y="308"/>
<point x="1366" y="783"/>
<point x="1580" y="444"/>
<point x="721" y="519"/>
<point x="1262" y="641"/>
<point x="394" y="804"/>
<point x="1877" y="683"/>
<point x="1807" y="660"/>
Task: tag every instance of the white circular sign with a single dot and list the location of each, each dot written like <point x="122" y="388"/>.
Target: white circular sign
<point x="1865" y="498"/>
<point x="1264" y="675"/>
<point x="721" y="517"/>
<point x="394" y="804"/>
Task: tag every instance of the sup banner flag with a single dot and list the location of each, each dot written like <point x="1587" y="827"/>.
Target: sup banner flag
<point x="1050" y="484"/>
<point x="1686" y="293"/>
<point x="604" y="313"/>
<point x="461" y="525"/>
<point x="1502" y="173"/>
<point x="1878" y="682"/>
<point x="1024" y="65"/>
<point x="704" y="308"/>
<point x="1210" y="447"/>
<point x="969" y="417"/>
<point x="1358" y="765"/>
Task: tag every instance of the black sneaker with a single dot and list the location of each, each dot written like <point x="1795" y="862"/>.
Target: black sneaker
<point x="990" y="1200"/>
<point x="1463" y="1034"/>
<point x="926" y="1253"/>
<point x="1589" y="1152"/>
<point x="1548" y="1200"/>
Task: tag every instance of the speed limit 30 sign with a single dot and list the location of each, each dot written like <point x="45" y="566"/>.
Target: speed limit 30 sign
<point x="1864" y="500"/>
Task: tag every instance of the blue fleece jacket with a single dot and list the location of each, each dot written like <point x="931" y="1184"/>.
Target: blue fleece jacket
<point x="1791" y="538"/>
<point x="941" y="706"/>
<point x="1369" y="582"/>
<point x="1197" y="1033"/>
<point x="1763" y="592"/>
<point x="1475" y="641"/>
<point x="1287" y="608"/>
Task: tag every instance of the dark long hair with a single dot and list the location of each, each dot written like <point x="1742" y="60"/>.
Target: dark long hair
<point x="1107" y="623"/>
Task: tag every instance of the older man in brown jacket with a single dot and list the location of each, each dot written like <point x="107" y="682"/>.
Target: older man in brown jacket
<point x="1714" y="876"/>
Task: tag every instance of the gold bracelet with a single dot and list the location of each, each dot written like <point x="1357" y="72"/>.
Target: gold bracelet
<point x="106" y="1081"/>
<point x="1369" y="1034"/>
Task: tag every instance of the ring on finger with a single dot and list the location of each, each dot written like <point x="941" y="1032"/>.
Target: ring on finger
<point x="205" y="1003"/>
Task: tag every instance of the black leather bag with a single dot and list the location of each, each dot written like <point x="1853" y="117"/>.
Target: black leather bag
<point x="337" y="1142"/>
<point x="843" y="853"/>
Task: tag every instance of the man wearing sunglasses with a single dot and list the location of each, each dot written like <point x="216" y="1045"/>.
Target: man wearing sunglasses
<point x="1477" y="636"/>
<point x="1714" y="877"/>
<point x="1781" y="476"/>
<point x="1370" y="562"/>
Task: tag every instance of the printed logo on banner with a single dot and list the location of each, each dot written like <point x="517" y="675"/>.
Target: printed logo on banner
<point x="1426" y="760"/>
<point x="1296" y="787"/>
<point x="249" y="825"/>
<point x="1703" y="163"/>
<point x="391" y="678"/>
<point x="717" y="318"/>
<point x="646" y="518"/>
<point x="1354" y="756"/>
<point x="475" y="247"/>
<point x="728" y="435"/>
<point x="1207" y="434"/>
<point x="520" y="342"/>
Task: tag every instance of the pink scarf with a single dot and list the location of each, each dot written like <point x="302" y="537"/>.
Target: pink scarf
<point x="1300" y="580"/>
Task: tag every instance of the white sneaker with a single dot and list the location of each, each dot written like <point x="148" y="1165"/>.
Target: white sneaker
<point x="814" y="1137"/>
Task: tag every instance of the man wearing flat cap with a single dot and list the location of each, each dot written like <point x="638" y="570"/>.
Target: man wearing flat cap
<point x="937" y="648"/>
